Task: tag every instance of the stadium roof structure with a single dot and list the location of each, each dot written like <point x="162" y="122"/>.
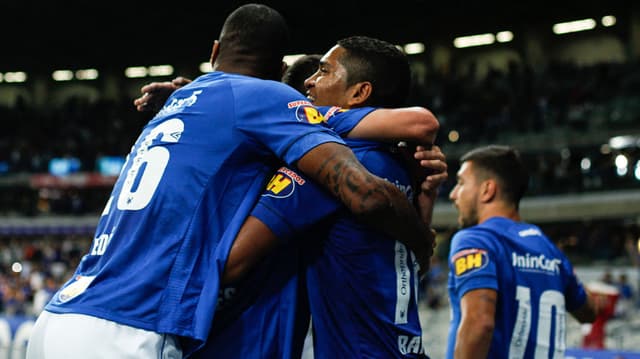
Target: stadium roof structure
<point x="113" y="33"/>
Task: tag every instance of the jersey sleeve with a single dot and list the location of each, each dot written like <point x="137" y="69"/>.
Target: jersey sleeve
<point x="280" y="118"/>
<point x="342" y="121"/>
<point x="472" y="261"/>
<point x="291" y="203"/>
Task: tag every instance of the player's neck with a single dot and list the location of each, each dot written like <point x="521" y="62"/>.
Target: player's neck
<point x="247" y="67"/>
<point x="498" y="210"/>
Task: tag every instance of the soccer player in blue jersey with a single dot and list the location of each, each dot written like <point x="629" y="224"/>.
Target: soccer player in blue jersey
<point x="147" y="287"/>
<point x="510" y="287"/>
<point x="361" y="283"/>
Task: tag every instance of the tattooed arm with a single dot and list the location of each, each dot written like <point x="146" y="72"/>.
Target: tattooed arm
<point x="376" y="201"/>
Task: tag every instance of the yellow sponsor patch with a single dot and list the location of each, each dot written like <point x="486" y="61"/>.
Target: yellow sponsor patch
<point x="278" y="183"/>
<point x="469" y="260"/>
<point x="283" y="183"/>
<point x="309" y="114"/>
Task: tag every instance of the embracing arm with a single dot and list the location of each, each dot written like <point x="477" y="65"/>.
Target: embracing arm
<point x="431" y="169"/>
<point x="414" y="124"/>
<point x="367" y="196"/>
<point x="155" y="94"/>
<point x="254" y="241"/>
<point x="373" y="199"/>
<point x="473" y="338"/>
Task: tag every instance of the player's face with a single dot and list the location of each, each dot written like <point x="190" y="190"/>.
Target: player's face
<point x="465" y="196"/>
<point x="328" y="85"/>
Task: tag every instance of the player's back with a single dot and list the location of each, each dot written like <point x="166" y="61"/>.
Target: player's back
<point x="266" y="314"/>
<point x="190" y="180"/>
<point x="363" y="284"/>
<point x="536" y="288"/>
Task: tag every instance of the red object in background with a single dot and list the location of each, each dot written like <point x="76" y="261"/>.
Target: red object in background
<point x="606" y="297"/>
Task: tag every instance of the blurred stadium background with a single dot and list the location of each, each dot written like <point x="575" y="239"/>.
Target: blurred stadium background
<point x="559" y="80"/>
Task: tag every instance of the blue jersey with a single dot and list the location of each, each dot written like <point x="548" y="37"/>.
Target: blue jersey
<point x="535" y="282"/>
<point x="362" y="284"/>
<point x="266" y="315"/>
<point x="189" y="182"/>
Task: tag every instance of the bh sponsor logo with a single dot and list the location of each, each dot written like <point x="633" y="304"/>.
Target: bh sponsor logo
<point x="469" y="260"/>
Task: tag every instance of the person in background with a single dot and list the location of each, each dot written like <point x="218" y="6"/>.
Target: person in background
<point x="625" y="303"/>
<point x="155" y="93"/>
<point x="296" y="74"/>
<point x="145" y="287"/>
<point x="509" y="286"/>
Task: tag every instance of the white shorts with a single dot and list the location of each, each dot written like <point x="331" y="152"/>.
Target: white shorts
<point x="77" y="336"/>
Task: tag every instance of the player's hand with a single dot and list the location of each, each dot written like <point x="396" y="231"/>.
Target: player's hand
<point x="424" y="261"/>
<point x="155" y="94"/>
<point x="434" y="163"/>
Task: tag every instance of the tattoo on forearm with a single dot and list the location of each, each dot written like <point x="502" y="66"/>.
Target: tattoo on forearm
<point x="344" y="180"/>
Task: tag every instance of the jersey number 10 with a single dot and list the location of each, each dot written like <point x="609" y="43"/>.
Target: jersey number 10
<point x="549" y="299"/>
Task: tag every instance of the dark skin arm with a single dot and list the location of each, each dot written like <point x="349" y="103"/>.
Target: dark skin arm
<point x="377" y="202"/>
<point x="473" y="338"/>
<point x="255" y="239"/>
<point x="155" y="94"/>
<point x="334" y="166"/>
<point x="428" y="167"/>
<point x="431" y="170"/>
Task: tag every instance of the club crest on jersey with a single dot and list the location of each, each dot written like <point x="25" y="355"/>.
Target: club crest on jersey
<point x="469" y="260"/>
<point x="309" y="114"/>
<point x="283" y="183"/>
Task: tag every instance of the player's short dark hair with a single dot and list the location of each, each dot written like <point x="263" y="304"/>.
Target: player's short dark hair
<point x="505" y="163"/>
<point x="382" y="64"/>
<point x="300" y="70"/>
<point x="255" y="31"/>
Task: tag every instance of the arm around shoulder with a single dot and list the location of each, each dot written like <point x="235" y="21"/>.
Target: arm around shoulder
<point x="414" y="124"/>
<point x="376" y="201"/>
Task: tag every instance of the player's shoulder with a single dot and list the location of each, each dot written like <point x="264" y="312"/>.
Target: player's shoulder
<point x="473" y="237"/>
<point x="253" y="84"/>
<point x="477" y="232"/>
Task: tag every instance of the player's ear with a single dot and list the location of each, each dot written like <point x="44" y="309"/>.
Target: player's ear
<point x="360" y="93"/>
<point x="488" y="190"/>
<point x="215" y="49"/>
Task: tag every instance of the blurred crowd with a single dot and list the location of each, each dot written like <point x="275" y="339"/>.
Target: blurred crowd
<point x="498" y="106"/>
<point x="33" y="268"/>
<point x="522" y="99"/>
<point x="480" y="107"/>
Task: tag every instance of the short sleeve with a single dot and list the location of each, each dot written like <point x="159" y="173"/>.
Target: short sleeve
<point x="472" y="261"/>
<point x="342" y="121"/>
<point x="291" y="203"/>
<point x="280" y="118"/>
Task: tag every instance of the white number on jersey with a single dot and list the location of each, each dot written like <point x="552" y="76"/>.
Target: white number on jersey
<point x="152" y="162"/>
<point x="549" y="300"/>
